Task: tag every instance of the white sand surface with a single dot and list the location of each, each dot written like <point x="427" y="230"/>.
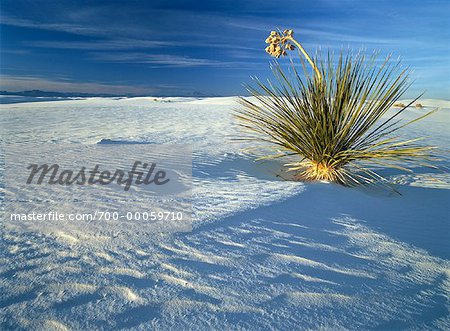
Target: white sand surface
<point x="264" y="253"/>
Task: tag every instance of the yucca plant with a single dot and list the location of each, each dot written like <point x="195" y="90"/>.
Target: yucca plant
<point x="335" y="120"/>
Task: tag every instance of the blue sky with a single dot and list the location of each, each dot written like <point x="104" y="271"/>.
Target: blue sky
<point x="209" y="47"/>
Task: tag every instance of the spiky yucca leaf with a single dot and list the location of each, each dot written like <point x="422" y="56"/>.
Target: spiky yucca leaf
<point x="333" y="121"/>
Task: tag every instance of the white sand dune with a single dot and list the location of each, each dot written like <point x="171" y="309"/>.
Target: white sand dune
<point x="264" y="253"/>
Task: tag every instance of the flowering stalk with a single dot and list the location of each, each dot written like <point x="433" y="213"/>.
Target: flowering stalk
<point x="334" y="122"/>
<point x="280" y="43"/>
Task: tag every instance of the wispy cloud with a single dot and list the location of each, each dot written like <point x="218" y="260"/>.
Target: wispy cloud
<point x="173" y="61"/>
<point x="120" y="44"/>
<point x="128" y="35"/>
<point x="98" y="39"/>
<point x="21" y="83"/>
<point x="158" y="60"/>
<point x="15" y="51"/>
<point x="62" y="27"/>
<point x="130" y="44"/>
<point x="326" y="34"/>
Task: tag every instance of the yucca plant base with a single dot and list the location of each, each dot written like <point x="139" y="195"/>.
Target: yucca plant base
<point x="334" y="122"/>
<point x="314" y="171"/>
